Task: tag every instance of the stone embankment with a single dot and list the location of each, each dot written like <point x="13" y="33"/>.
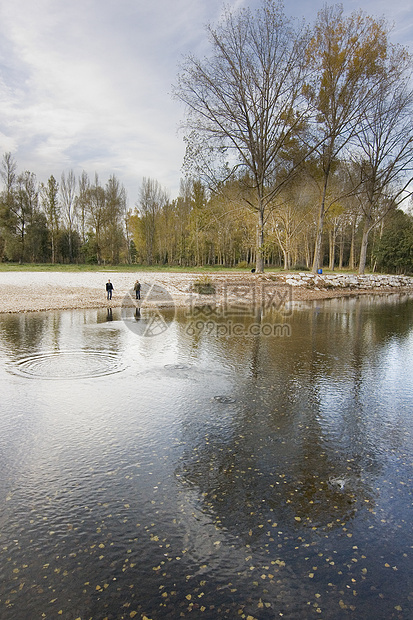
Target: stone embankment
<point x="347" y="281"/>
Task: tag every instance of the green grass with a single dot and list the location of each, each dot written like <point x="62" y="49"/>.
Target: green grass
<point x="114" y="268"/>
<point x="136" y="268"/>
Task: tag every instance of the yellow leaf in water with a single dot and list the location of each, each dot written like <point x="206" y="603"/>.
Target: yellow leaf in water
<point x="399" y="608"/>
<point x="133" y="614"/>
<point x="297" y="518"/>
<point x="188" y="597"/>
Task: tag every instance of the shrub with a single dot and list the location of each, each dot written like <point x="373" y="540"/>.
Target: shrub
<point x="203" y="286"/>
<point x="300" y="268"/>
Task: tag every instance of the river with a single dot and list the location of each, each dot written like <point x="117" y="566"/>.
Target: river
<point x="190" y="464"/>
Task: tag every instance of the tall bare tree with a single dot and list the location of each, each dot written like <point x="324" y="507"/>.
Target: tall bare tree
<point x="97" y="214"/>
<point x="68" y="194"/>
<point x="245" y="104"/>
<point x="386" y="147"/>
<point x="115" y="195"/>
<point x="348" y="54"/>
<point x="151" y="200"/>
<point x="51" y="206"/>
<point x="8" y="172"/>
<point x="82" y="204"/>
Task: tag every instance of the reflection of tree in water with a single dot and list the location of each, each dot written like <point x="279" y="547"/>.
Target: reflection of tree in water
<point x="254" y="481"/>
<point x="294" y="453"/>
<point x="23" y="332"/>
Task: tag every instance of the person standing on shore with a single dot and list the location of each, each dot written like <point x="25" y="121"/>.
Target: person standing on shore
<point x="109" y="289"/>
<point x="137" y="289"/>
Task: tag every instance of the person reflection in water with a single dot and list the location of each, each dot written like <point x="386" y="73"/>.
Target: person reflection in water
<point x="109" y="289"/>
<point x="109" y="316"/>
<point x="137" y="314"/>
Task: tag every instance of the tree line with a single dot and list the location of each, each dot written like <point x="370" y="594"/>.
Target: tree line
<point x="74" y="220"/>
<point x="77" y="220"/>
<point x="299" y="153"/>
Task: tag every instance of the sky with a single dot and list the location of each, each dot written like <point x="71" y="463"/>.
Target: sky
<point x="86" y="84"/>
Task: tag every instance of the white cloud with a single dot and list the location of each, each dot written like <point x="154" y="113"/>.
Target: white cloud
<point x="86" y="84"/>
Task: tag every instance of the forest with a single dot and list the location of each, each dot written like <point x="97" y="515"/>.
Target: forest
<point x="299" y="155"/>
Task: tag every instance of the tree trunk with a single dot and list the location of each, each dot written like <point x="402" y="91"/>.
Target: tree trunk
<point x="352" y="262"/>
<point x="286" y="260"/>
<point x="363" y="250"/>
<point x="341" y="250"/>
<point x="260" y="243"/>
<point x="332" y="248"/>
<point x="319" y="234"/>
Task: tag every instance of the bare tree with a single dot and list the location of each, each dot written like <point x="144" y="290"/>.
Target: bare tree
<point x="386" y="148"/>
<point x="115" y="195"/>
<point x="7" y="199"/>
<point x="68" y="193"/>
<point x="97" y="214"/>
<point x="151" y="200"/>
<point x="51" y="207"/>
<point x="24" y="206"/>
<point x="8" y="172"/>
<point x="348" y="53"/>
<point x="245" y="104"/>
<point x="82" y="204"/>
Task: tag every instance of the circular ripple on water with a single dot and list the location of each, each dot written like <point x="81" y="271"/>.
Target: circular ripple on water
<point x="224" y="400"/>
<point x="68" y="365"/>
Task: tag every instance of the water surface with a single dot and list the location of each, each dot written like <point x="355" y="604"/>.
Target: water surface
<point x="205" y="475"/>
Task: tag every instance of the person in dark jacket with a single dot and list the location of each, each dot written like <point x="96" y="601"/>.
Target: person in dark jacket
<point x="137" y="289"/>
<point x="109" y="289"/>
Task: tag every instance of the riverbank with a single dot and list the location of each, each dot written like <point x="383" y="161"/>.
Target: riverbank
<point x="36" y="291"/>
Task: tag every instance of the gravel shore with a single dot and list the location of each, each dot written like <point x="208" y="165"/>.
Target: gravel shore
<point x="35" y="291"/>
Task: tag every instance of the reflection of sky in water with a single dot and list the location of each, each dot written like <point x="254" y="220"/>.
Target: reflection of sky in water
<point x="204" y="475"/>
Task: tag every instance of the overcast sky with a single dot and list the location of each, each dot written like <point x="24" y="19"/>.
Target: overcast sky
<point x="86" y="84"/>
